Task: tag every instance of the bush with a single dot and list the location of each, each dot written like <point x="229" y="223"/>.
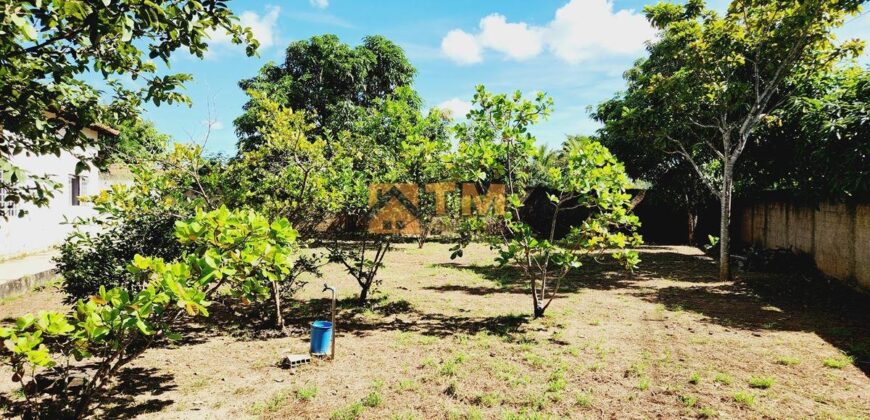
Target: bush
<point x="138" y="219"/>
<point x="90" y="260"/>
<point x="239" y="250"/>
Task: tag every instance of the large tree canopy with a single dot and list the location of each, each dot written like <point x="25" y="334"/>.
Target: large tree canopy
<point x="329" y="80"/>
<point x="50" y="49"/>
<point x="820" y="142"/>
<point x="711" y="80"/>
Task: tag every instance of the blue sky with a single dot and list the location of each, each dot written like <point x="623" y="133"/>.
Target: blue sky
<point x="575" y="50"/>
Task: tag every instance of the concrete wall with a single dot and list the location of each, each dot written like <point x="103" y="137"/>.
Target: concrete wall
<point x="43" y="227"/>
<point x="837" y="236"/>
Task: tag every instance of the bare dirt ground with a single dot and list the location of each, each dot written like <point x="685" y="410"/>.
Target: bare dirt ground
<point x="453" y="339"/>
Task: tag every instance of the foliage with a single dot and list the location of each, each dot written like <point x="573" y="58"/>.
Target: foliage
<point x="242" y="250"/>
<point x="289" y="174"/>
<point x="239" y="250"/>
<point x="711" y="80"/>
<point x="496" y="146"/>
<point x="138" y="141"/>
<point x="672" y="182"/>
<point x="49" y="48"/>
<point x="113" y="327"/>
<point x="138" y="219"/>
<point x="320" y="129"/>
<point x="821" y="140"/>
<point x="418" y="147"/>
<point x="328" y="80"/>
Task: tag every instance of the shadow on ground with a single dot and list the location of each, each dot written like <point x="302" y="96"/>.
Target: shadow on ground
<point x="120" y="402"/>
<point x="795" y="301"/>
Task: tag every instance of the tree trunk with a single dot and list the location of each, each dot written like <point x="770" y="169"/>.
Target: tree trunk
<point x="692" y="222"/>
<point x="538" y="311"/>
<point x="421" y="239"/>
<point x="725" y="223"/>
<point x="279" y="318"/>
<point x="364" y="294"/>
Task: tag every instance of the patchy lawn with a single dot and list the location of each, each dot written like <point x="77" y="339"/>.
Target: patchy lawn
<point x="452" y="339"/>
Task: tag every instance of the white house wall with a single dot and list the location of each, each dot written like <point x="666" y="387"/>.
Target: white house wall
<point x="42" y="227"/>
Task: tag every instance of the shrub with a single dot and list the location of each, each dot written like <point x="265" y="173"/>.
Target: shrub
<point x="114" y="326"/>
<point x="89" y="260"/>
<point x="495" y="145"/>
<point x="138" y="219"/>
<point x="241" y="250"/>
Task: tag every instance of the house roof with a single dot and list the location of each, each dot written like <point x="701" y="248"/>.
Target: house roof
<point x="104" y="129"/>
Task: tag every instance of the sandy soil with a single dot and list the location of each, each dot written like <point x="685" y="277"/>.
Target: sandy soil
<point x="452" y="339"/>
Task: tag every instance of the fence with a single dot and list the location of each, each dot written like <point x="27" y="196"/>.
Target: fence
<point x="837" y="236"/>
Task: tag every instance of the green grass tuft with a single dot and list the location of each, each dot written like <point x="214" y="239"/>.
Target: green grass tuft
<point x="744" y="398"/>
<point x="838" y="362"/>
<point x="723" y="378"/>
<point x="761" y="382"/>
<point x="350" y="412"/>
<point x="787" y="360"/>
<point x="306" y="393"/>
<point x="584" y="399"/>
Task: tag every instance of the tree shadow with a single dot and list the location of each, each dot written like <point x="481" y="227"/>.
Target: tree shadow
<point x="384" y="314"/>
<point x="134" y="382"/>
<point x="603" y="275"/>
<point x="756" y="301"/>
<point x="119" y="401"/>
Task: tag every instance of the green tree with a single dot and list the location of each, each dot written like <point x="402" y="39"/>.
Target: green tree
<point x="49" y="48"/>
<point x="418" y="145"/>
<point x="674" y="184"/>
<point x="821" y="140"/>
<point x="289" y="175"/>
<point x="495" y="146"/>
<point x="328" y="80"/>
<point x="711" y="80"/>
<point x="138" y="141"/>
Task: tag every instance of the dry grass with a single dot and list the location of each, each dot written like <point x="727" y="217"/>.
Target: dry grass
<point x="452" y="339"/>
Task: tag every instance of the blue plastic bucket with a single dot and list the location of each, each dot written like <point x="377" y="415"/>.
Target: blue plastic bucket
<point x="321" y="337"/>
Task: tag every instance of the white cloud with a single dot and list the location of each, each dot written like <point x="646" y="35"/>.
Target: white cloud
<point x="516" y="40"/>
<point x="213" y="125"/>
<point x="580" y="30"/>
<point x="320" y="4"/>
<point x="457" y="107"/>
<point x="583" y="29"/>
<point x="262" y="28"/>
<point x="461" y="47"/>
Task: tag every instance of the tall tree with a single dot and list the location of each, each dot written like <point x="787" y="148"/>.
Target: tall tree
<point x="710" y="80"/>
<point x="329" y="80"/>
<point x="49" y="48"/>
